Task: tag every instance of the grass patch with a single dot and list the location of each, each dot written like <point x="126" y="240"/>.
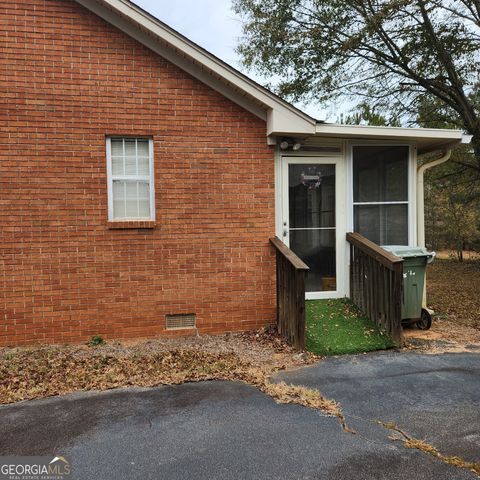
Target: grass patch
<point x="335" y="327"/>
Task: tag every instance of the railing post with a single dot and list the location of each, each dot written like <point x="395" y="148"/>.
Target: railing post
<point x="397" y="303"/>
<point x="352" y="272"/>
<point x="300" y="309"/>
<point x="290" y="275"/>
<point x="278" y="286"/>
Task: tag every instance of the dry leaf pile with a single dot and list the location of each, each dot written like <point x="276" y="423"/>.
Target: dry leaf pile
<point x="31" y="373"/>
<point x="453" y="290"/>
<point x="43" y="372"/>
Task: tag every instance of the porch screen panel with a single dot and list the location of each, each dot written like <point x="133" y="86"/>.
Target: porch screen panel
<point x="380" y="193"/>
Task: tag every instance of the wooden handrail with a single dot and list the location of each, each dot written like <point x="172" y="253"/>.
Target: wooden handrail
<point x="291" y="272"/>
<point x="387" y="259"/>
<point x="296" y="262"/>
<point x="376" y="284"/>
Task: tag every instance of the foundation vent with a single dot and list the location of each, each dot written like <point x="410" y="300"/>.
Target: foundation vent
<point x="179" y="322"/>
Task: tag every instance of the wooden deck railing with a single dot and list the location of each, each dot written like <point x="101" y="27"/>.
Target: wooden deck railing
<point x="290" y="294"/>
<point x="376" y="280"/>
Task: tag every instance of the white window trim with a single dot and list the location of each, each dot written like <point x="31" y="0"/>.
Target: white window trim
<point x="150" y="178"/>
<point x="412" y="164"/>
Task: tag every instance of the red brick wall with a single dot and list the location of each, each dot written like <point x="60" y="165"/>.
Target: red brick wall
<point x="68" y="79"/>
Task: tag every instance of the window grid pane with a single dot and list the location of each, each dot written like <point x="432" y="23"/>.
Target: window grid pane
<point x="380" y="193"/>
<point x="130" y="167"/>
<point x="131" y="199"/>
<point x="380" y="174"/>
<point x="383" y="224"/>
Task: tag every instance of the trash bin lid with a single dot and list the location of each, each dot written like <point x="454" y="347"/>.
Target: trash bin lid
<point x="408" y="252"/>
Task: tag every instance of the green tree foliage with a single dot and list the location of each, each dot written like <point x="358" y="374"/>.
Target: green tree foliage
<point x="451" y="221"/>
<point x="452" y="191"/>
<point x="367" y="115"/>
<point x="452" y="206"/>
<point x="397" y="55"/>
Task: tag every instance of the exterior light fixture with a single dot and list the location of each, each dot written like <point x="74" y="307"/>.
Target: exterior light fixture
<point x="288" y="142"/>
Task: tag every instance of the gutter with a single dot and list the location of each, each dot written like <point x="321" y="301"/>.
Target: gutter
<point x="421" y="208"/>
<point x="421" y="193"/>
<point x="446" y="153"/>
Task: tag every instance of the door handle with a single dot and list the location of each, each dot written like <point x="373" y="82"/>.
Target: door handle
<point x="285" y="232"/>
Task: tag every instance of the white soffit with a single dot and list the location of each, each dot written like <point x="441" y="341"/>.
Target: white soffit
<point x="281" y="117"/>
<point x="427" y="139"/>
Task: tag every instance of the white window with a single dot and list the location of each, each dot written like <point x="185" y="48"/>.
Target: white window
<point x="381" y="193"/>
<point x="130" y="179"/>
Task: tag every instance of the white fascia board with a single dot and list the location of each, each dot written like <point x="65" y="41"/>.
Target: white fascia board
<point x="201" y="64"/>
<point x="432" y="138"/>
<point x="281" y="122"/>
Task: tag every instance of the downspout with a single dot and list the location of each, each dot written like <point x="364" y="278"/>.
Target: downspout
<point x="421" y="194"/>
<point x="421" y="206"/>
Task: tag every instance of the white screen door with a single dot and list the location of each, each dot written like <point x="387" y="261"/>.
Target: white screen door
<point x="310" y="219"/>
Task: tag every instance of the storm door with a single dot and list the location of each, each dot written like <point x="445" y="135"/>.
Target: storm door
<point x="309" y="218"/>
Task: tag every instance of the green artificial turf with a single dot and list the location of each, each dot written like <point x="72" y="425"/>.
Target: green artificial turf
<point x="335" y="327"/>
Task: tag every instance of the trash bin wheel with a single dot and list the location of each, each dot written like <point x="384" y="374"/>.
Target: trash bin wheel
<point x="425" y="321"/>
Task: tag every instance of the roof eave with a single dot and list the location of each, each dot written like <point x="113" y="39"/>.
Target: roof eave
<point x="281" y="117"/>
<point x="427" y="139"/>
<point x="203" y="65"/>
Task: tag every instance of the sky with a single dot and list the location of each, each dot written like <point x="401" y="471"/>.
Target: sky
<point x="213" y="25"/>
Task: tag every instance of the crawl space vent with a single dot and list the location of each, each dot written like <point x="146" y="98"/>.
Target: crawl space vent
<point x="177" y="322"/>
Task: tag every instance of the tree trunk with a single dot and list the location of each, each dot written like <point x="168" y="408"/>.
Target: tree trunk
<point x="476" y="149"/>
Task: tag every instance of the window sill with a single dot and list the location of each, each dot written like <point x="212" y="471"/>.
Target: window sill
<point x="130" y="224"/>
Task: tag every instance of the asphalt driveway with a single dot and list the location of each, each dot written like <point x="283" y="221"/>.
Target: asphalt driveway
<point x="432" y="397"/>
<point x="228" y="430"/>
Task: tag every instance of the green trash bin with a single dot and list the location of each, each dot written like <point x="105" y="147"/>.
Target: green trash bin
<point x="415" y="260"/>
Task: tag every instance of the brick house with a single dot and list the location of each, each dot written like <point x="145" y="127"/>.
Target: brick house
<point x="142" y="177"/>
